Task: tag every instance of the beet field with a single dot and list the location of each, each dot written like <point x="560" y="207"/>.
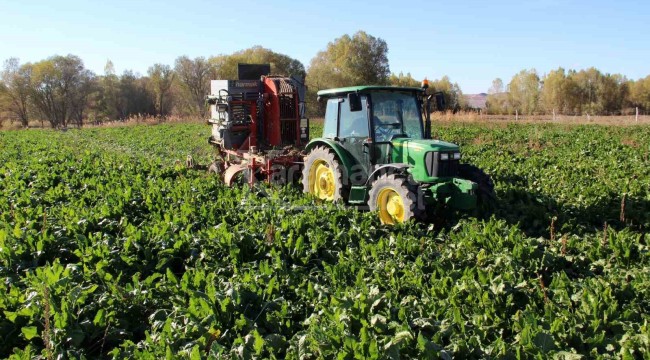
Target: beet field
<point x="111" y="248"/>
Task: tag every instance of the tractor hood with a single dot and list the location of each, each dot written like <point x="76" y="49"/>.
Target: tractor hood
<point x="420" y="154"/>
<point x="421" y="145"/>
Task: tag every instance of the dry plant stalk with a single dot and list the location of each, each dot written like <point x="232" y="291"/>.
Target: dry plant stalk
<point x="108" y="323"/>
<point x="622" y="215"/>
<point x="553" y="228"/>
<point x="270" y="234"/>
<point x="543" y="287"/>
<point x="564" y="243"/>
<point x="604" y="242"/>
<point x="48" y="330"/>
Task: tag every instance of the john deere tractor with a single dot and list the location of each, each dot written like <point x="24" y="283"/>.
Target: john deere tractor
<point x="376" y="150"/>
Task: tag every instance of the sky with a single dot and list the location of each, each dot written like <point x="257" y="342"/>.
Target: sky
<point x="472" y="42"/>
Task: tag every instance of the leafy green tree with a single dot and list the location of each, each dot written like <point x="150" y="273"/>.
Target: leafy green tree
<point x="554" y="97"/>
<point x="109" y="93"/>
<point x="162" y="78"/>
<point x="4" y="103"/>
<point x="16" y="92"/>
<point x="194" y="78"/>
<point x="136" y="96"/>
<point x="80" y="96"/>
<point x="639" y="95"/>
<point x="361" y="59"/>
<point x="497" y="99"/>
<point x="403" y="80"/>
<point x="612" y="91"/>
<point x="587" y="83"/>
<point x="497" y="103"/>
<point x="225" y="66"/>
<point x="451" y="91"/>
<point x="523" y="92"/>
<point x="497" y="87"/>
<point x="60" y="89"/>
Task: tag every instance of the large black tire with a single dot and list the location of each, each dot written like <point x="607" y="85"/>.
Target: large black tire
<point x="394" y="198"/>
<point x="486" y="195"/>
<point x="323" y="174"/>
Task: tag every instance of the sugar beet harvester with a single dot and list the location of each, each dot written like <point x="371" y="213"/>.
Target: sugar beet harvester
<point x="375" y="149"/>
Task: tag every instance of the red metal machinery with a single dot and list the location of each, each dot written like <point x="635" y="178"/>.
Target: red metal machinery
<point x="258" y="126"/>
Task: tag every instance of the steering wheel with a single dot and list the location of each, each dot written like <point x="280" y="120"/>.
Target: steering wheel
<point x="382" y="131"/>
<point x="385" y="130"/>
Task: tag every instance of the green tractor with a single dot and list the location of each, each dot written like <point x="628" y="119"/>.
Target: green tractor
<point x="377" y="151"/>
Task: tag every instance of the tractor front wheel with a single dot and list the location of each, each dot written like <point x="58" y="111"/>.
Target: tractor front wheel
<point x="322" y="175"/>
<point x="485" y="194"/>
<point x="394" y="198"/>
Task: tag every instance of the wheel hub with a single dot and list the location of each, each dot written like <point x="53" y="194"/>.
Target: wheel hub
<point x="391" y="207"/>
<point x="322" y="182"/>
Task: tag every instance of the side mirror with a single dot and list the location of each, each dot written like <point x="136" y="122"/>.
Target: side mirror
<point x="355" y="102"/>
<point x="440" y="101"/>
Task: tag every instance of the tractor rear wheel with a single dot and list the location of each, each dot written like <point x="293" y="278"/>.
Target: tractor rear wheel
<point x="394" y="198"/>
<point x="322" y="175"/>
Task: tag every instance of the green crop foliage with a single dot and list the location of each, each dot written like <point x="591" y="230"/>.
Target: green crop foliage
<point x="109" y="248"/>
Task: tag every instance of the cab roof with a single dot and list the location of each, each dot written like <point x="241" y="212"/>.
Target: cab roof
<point x="364" y="88"/>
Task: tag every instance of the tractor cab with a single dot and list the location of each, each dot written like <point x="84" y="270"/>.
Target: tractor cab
<point x="380" y="126"/>
<point x="377" y="150"/>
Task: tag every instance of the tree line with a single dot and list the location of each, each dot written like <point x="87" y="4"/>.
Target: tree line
<point x="569" y="92"/>
<point x="61" y="91"/>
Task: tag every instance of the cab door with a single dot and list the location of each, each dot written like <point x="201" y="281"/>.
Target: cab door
<point x="354" y="136"/>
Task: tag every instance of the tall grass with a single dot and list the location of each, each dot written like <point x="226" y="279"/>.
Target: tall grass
<point x="449" y="116"/>
<point x="472" y="116"/>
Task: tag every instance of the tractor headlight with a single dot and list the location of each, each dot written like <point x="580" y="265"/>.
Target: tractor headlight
<point x="456" y="156"/>
<point x="444" y="156"/>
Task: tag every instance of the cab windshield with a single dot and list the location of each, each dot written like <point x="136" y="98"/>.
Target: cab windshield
<point x="395" y="114"/>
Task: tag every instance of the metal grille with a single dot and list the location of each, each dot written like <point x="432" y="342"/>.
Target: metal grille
<point x="287" y="107"/>
<point x="288" y="131"/>
<point x="240" y="113"/>
<point x="285" y="86"/>
<point x="448" y="168"/>
<point x="440" y="168"/>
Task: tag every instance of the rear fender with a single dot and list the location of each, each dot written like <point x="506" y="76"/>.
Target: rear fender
<point x="343" y="156"/>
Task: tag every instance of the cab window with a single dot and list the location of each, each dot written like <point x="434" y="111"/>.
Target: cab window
<point x="331" y="115"/>
<point x="354" y="123"/>
<point x="395" y="114"/>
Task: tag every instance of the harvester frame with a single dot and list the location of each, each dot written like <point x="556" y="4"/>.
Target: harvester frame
<point x="259" y="126"/>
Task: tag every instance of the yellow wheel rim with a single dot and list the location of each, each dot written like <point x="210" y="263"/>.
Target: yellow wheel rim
<point x="391" y="207"/>
<point x="321" y="180"/>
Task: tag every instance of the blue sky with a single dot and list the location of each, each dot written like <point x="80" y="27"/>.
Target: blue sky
<point x="472" y="42"/>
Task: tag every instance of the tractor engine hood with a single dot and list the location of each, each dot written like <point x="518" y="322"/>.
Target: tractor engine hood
<point x="424" y="158"/>
<point x="410" y="147"/>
